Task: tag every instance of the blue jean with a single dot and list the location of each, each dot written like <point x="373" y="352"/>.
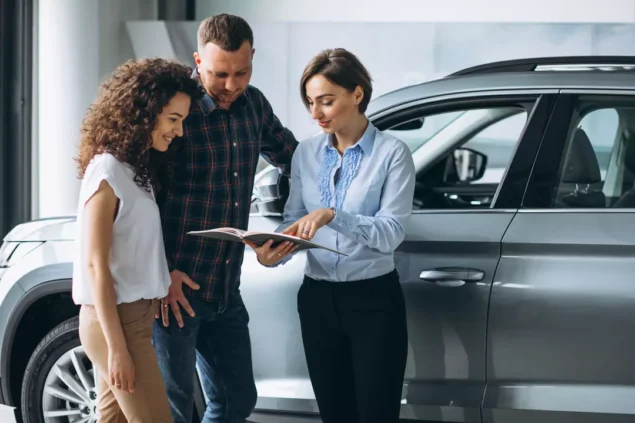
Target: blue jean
<point x="218" y="341"/>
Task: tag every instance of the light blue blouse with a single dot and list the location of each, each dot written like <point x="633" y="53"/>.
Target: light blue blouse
<point x="372" y="201"/>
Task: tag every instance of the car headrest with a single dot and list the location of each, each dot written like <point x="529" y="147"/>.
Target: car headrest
<point x="629" y="156"/>
<point x="582" y="165"/>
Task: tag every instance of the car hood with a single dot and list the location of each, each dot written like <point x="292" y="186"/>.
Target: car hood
<point x="51" y="229"/>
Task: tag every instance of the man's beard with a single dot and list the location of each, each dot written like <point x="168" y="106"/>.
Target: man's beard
<point x="223" y="96"/>
<point x="226" y="97"/>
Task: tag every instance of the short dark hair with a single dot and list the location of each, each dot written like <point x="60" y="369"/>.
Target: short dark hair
<point x="228" y="32"/>
<point x="342" y="68"/>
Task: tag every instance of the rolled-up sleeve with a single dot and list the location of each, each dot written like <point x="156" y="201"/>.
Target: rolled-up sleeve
<point x="278" y="142"/>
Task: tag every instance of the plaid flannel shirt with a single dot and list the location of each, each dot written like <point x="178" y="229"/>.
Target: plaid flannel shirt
<point x="209" y="183"/>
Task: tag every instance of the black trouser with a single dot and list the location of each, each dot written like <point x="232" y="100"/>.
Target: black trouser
<point x="356" y="345"/>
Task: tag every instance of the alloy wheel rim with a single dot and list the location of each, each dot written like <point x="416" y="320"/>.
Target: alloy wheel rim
<point x="70" y="391"/>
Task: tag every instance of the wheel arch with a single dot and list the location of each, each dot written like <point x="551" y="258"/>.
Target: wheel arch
<point x="41" y="287"/>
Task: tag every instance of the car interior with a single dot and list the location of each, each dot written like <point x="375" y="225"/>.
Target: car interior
<point x="627" y="199"/>
<point x="447" y="184"/>
<point x="598" y="168"/>
<point x="581" y="180"/>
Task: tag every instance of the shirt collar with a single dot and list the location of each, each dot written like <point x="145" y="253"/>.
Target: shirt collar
<point x="207" y="103"/>
<point x="366" y="142"/>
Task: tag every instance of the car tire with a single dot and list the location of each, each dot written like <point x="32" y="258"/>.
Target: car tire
<point x="57" y="344"/>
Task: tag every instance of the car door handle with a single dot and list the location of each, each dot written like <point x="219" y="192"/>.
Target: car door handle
<point x="448" y="274"/>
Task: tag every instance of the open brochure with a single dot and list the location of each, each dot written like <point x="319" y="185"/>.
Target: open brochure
<point x="259" y="238"/>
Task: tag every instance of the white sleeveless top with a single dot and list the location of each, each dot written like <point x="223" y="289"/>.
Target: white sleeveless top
<point x="137" y="259"/>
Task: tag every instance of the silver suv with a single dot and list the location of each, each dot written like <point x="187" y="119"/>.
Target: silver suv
<point x="518" y="266"/>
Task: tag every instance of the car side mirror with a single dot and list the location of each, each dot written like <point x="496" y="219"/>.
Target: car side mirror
<point x="271" y="191"/>
<point x="465" y="165"/>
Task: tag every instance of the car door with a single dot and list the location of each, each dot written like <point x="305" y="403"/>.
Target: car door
<point x="453" y="245"/>
<point x="562" y="314"/>
<point x="270" y="294"/>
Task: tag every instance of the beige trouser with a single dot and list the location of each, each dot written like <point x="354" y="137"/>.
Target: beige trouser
<point x="149" y="402"/>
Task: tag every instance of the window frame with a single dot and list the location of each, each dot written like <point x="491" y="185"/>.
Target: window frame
<point x="16" y="112"/>
<point x="547" y="172"/>
<point x="514" y="181"/>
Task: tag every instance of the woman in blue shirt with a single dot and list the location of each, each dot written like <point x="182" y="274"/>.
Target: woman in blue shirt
<point x="351" y="189"/>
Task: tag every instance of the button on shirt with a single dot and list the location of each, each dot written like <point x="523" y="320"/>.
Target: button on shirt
<point x="209" y="185"/>
<point x="372" y="199"/>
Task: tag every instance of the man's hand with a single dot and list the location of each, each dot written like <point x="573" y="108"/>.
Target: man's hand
<point x="269" y="256"/>
<point x="307" y="226"/>
<point x="176" y="297"/>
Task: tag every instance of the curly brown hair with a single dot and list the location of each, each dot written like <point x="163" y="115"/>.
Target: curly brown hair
<point x="121" y="119"/>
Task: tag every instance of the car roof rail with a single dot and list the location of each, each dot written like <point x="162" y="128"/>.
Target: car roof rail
<point x="606" y="63"/>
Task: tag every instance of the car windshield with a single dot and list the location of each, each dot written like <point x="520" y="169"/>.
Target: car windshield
<point x="432" y="125"/>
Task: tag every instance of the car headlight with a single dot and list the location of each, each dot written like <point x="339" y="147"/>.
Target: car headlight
<point x="12" y="251"/>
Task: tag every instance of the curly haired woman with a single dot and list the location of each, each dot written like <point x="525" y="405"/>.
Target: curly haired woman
<point x="120" y="269"/>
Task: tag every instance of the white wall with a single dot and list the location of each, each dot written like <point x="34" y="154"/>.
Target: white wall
<point x="398" y="54"/>
<point x="405" y="42"/>
<point x="401" y="42"/>
<point x="114" y="43"/>
<point x="78" y="43"/>
<point x="578" y="11"/>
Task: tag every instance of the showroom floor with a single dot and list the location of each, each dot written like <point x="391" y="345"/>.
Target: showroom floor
<point x="6" y="414"/>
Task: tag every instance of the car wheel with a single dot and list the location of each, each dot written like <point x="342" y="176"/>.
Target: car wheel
<point x="59" y="381"/>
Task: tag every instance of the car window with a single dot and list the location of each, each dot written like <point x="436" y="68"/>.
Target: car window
<point x="601" y="128"/>
<point x="415" y="138"/>
<point x="595" y="167"/>
<point x="481" y="144"/>
<point x="497" y="142"/>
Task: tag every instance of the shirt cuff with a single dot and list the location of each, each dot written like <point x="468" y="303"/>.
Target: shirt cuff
<point x="280" y="262"/>
<point x="344" y="222"/>
<point x="170" y="265"/>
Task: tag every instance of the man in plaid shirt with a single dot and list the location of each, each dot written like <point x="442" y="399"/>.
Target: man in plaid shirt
<point x="208" y="185"/>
